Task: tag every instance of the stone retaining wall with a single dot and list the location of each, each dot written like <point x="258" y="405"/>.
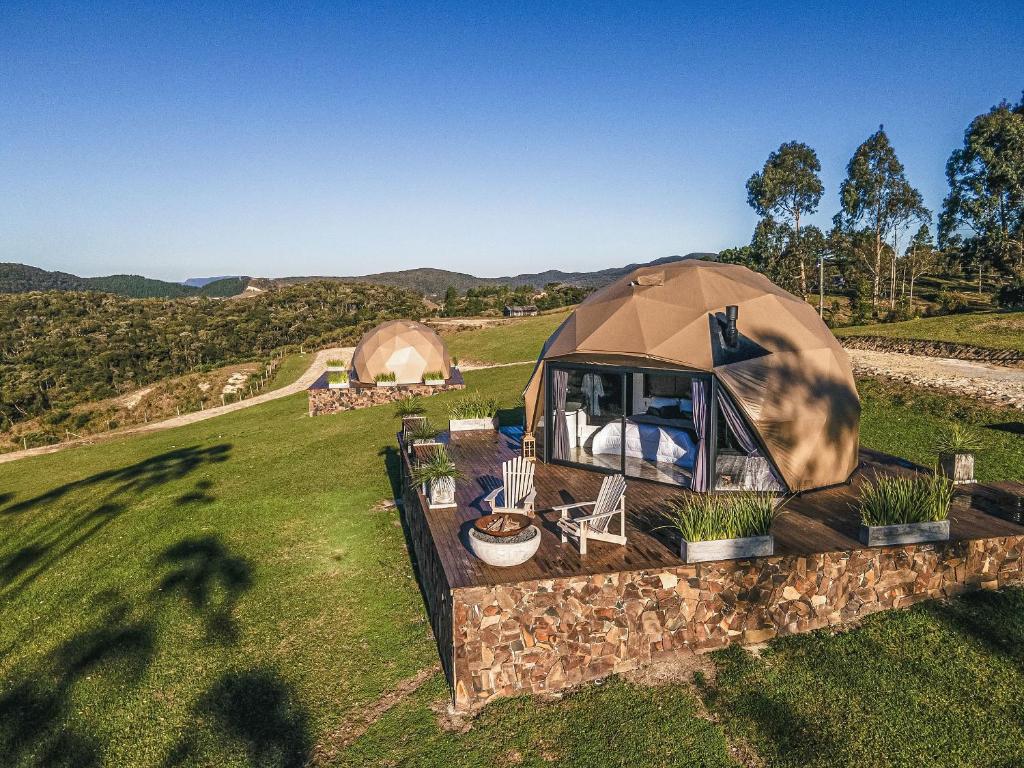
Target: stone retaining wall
<point x="542" y="636"/>
<point x="322" y="401"/>
<point x="437" y="594"/>
<point x="1007" y="357"/>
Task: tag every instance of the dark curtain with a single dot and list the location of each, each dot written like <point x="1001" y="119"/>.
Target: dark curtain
<point x="699" y="395"/>
<point x="560" y="439"/>
<point x="736" y="423"/>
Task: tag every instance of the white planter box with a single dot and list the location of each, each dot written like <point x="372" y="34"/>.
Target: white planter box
<point x="958" y="467"/>
<point x="336" y="368"/>
<point x="386" y="383"/>
<point x="434" y="382"/>
<point x="469" y="425"/>
<point x="504" y="554"/>
<point x="726" y="549"/>
<point x="909" y="533"/>
<point x="441" y="495"/>
<point x="338" y="385"/>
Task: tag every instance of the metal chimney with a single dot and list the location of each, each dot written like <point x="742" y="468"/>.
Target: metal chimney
<point x="730" y="333"/>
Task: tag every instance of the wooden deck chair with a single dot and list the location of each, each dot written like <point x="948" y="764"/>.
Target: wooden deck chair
<point x="611" y="501"/>
<point x="516" y="491"/>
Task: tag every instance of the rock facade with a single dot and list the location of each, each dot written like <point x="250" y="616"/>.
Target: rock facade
<point x="1007" y="357"/>
<point x="323" y="401"/>
<point x="543" y="636"/>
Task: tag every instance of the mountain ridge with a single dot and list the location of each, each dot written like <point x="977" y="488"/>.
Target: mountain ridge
<point x="427" y="281"/>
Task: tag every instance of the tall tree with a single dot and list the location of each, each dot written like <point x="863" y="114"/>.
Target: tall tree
<point x="920" y="259"/>
<point x="876" y="198"/>
<point x="984" y="210"/>
<point x="786" y="189"/>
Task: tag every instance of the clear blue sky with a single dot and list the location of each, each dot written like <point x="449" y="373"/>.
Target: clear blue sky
<point x="492" y="138"/>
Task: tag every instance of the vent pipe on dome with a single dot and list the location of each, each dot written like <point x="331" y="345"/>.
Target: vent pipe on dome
<point x="730" y="333"/>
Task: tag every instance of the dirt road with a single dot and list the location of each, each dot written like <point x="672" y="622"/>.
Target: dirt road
<point x="983" y="381"/>
<point x="312" y="373"/>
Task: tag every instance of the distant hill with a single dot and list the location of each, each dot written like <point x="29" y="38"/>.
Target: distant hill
<point x="199" y="282"/>
<point x="21" y="278"/>
<point x="434" y="282"/>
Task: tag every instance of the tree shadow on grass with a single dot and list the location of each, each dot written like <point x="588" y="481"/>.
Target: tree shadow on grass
<point x="37" y="546"/>
<point x="995" y="620"/>
<point x="34" y="711"/>
<point x="256" y="710"/>
<point x="393" y="466"/>
<point x="211" y="578"/>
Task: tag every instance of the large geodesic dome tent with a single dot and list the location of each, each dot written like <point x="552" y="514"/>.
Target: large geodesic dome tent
<point x="403" y="347"/>
<point x="698" y="337"/>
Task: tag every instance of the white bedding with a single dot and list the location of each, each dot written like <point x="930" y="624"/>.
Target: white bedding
<point x="647" y="441"/>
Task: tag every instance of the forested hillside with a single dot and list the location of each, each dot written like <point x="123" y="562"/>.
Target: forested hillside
<point x="58" y="349"/>
<point x="22" y="278"/>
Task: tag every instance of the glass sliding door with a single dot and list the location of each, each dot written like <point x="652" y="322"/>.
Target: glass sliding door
<point x="586" y="404"/>
<point x="628" y="420"/>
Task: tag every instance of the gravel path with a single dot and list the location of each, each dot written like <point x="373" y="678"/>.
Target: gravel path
<point x="312" y="373"/>
<point x="991" y="383"/>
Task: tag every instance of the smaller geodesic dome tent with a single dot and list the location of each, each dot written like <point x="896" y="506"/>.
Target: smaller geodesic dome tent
<point x="403" y="347"/>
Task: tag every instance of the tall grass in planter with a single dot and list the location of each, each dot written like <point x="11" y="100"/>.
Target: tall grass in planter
<point x="724" y="526"/>
<point x="956" y="447"/>
<point x="905" y="510"/>
<point x="438" y="473"/>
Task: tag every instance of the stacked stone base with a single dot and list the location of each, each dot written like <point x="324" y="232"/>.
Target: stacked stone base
<point x="323" y="401"/>
<point x="545" y="636"/>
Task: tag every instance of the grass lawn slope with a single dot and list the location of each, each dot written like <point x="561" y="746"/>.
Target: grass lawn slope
<point x="234" y="593"/>
<point x="994" y="330"/>
<point x="514" y="342"/>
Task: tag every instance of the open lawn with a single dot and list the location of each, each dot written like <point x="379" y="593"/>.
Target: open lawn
<point x="994" y="330"/>
<point x="513" y="342"/>
<point x="235" y="593"/>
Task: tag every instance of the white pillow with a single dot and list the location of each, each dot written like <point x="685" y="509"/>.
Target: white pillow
<point x="661" y="402"/>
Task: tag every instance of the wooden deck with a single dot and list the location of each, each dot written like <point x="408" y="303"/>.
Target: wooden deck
<point x="814" y="522"/>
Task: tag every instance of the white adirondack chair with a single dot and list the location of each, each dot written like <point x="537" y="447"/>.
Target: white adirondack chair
<point x="516" y="491"/>
<point x="611" y="501"/>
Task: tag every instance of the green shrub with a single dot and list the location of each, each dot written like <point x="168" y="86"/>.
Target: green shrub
<point x="388" y="376"/>
<point x="337" y="377"/>
<point x="958" y="438"/>
<point x="336" y="363"/>
<point x="410" y="406"/>
<point x="902" y="500"/>
<point x="474" y="406"/>
<point x="438" y="465"/>
<point x="433" y="375"/>
<point x="424" y="431"/>
<point x="708" y="517"/>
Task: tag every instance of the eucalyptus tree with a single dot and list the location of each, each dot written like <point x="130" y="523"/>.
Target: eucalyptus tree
<point x="877" y="199"/>
<point x="920" y="259"/>
<point x="786" y="189"/>
<point x="984" y="211"/>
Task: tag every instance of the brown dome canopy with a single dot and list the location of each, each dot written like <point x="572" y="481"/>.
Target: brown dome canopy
<point x="403" y="347"/>
<point x="789" y="375"/>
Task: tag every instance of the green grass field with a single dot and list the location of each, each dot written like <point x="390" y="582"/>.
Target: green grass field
<point x="234" y="593"/>
<point x="994" y="330"/>
<point x="515" y="342"/>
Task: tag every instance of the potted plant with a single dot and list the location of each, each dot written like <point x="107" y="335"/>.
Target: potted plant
<point x="956" y="447"/>
<point x="905" y="510"/>
<point x="455" y="363"/>
<point x="473" y="412"/>
<point x="434" y="378"/>
<point x="386" y="379"/>
<point x="437" y="474"/>
<point x="336" y="365"/>
<point x="410" y="410"/>
<point x="422" y="433"/>
<point x="337" y="380"/>
<point x="724" y="527"/>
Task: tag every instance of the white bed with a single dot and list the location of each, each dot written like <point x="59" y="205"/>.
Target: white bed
<point x="667" y="445"/>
